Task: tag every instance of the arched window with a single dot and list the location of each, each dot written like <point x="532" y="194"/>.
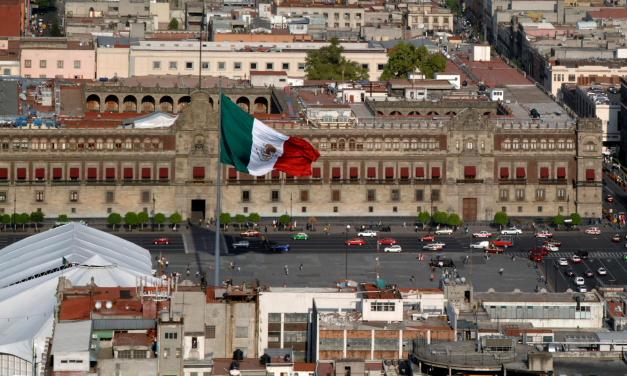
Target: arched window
<point x="369" y="144"/>
<point x="129" y="144"/>
<point x="137" y="144"/>
<point x="81" y="144"/>
<point x="507" y="144"/>
<point x="333" y="144"/>
<point x="24" y="144"/>
<point x="543" y="144"/>
<point x="109" y="144"/>
<point x="551" y="144"/>
<point x="377" y="144"/>
<point x="534" y="144"/>
<point x="155" y="144"/>
<point x="43" y="144"/>
<point x="34" y="144"/>
<point x="525" y="144"/>
<point x="147" y="144"/>
<point x="62" y="144"/>
<point x="406" y="144"/>
<point x="561" y="144"/>
<point x="99" y="144"/>
<point x="423" y="143"/>
<point x="341" y="145"/>
<point x="323" y="144"/>
<point x="388" y="144"/>
<point x="395" y="144"/>
<point x="360" y="144"/>
<point x="515" y="144"/>
<point x="469" y="145"/>
<point x="414" y="144"/>
<point x="351" y="145"/>
<point x="72" y="144"/>
<point x="91" y="144"/>
<point x="590" y="146"/>
<point x="433" y="144"/>
<point x="16" y="144"/>
<point x="570" y="144"/>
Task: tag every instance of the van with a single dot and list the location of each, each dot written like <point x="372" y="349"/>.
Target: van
<point x="480" y="245"/>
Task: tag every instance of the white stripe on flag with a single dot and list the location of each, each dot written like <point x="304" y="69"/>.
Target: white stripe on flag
<point x="262" y="136"/>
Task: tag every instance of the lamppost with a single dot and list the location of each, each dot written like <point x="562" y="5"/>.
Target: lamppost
<point x="346" y="250"/>
<point x="14" y="207"/>
<point x="154" y="202"/>
<point x="291" y="194"/>
<point x="431" y="223"/>
<point x="568" y="205"/>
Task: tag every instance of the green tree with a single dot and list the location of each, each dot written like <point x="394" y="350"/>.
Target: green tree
<point x="575" y="218"/>
<point x="403" y="59"/>
<point x="37" y="217"/>
<point x="42" y="4"/>
<point x="62" y="218"/>
<point x="454" y="220"/>
<point x="174" y="24"/>
<point x="424" y="217"/>
<point x="6" y="219"/>
<point x="114" y="219"/>
<point x="254" y="217"/>
<point x="225" y="218"/>
<point x="501" y="219"/>
<point x="130" y="219"/>
<point x="312" y="221"/>
<point x="518" y="62"/>
<point x="327" y="63"/>
<point x="434" y="63"/>
<point x="159" y="219"/>
<point x="24" y="219"/>
<point x="240" y="218"/>
<point x="55" y="30"/>
<point x="175" y="219"/>
<point x="558" y="220"/>
<point x="454" y="5"/>
<point x="142" y="217"/>
<point x="285" y="219"/>
<point x="15" y="220"/>
<point x="440" y="217"/>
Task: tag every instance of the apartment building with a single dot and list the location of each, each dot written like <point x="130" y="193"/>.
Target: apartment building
<point x="337" y="16"/>
<point x="429" y="17"/>
<point x="49" y="58"/>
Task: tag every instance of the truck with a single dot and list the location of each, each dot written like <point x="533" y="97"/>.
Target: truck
<point x="503" y="241"/>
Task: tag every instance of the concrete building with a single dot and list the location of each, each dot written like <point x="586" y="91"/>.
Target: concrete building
<point x="430" y="17"/>
<point x="266" y="79"/>
<point x="9" y="57"/>
<point x="71" y="347"/>
<point x="584" y="72"/>
<point x="50" y="58"/>
<point x="14" y="15"/>
<point x="337" y="16"/>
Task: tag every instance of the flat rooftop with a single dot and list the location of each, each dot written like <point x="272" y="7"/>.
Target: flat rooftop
<point x="534" y="297"/>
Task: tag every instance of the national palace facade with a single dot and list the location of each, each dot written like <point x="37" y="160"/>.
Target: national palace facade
<point x="468" y="163"/>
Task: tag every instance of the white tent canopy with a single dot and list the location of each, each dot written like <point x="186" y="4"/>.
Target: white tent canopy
<point x="26" y="308"/>
<point x="157" y="119"/>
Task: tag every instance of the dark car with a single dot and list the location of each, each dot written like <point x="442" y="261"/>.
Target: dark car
<point x="385" y="229"/>
<point x="570" y="272"/>
<point x="612" y="90"/>
<point x="582" y="254"/>
<point x="589" y="273"/>
<point x="280" y="247"/>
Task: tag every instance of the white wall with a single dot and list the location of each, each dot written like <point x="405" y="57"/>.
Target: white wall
<point x="370" y="315"/>
<point x="67" y="356"/>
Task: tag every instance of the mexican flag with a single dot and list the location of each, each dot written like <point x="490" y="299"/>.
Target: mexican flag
<point x="252" y="147"/>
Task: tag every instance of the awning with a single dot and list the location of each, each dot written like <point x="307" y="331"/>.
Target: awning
<point x="589" y="174"/>
<point x="146" y="173"/>
<point x="504" y="172"/>
<point x="470" y="171"/>
<point x="315" y="172"/>
<point x="435" y="172"/>
<point x="520" y="172"/>
<point x="92" y="173"/>
<point x="389" y="172"/>
<point x="404" y="172"/>
<point x="40" y="173"/>
<point x="163" y="173"/>
<point x="232" y="172"/>
<point x="336" y="173"/>
<point x="276" y="174"/>
<point x="420" y="172"/>
<point x="200" y="172"/>
<point x="128" y="173"/>
<point x="21" y="173"/>
<point x="74" y="172"/>
<point x="354" y="172"/>
<point x="561" y="172"/>
<point x="57" y="173"/>
<point x="289" y="176"/>
<point x="372" y="172"/>
<point x="110" y="173"/>
<point x="544" y="172"/>
<point x="4" y="173"/>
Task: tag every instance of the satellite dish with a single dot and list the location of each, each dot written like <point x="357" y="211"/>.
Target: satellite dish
<point x="421" y="26"/>
<point x="463" y="279"/>
<point x="109" y="305"/>
<point x="98" y="304"/>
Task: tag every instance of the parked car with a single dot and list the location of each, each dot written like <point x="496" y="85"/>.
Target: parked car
<point x="280" y="247"/>
<point x="241" y="244"/>
<point x="369" y="233"/>
<point x="392" y="248"/>
<point x="444" y="231"/>
<point x="162" y="240"/>
<point x="511" y="231"/>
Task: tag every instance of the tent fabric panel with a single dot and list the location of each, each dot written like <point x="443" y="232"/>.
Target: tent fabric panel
<point x="74" y="172"/>
<point x="146" y="173"/>
<point x="21" y="173"/>
<point x="315" y="172"/>
<point x="520" y="172"/>
<point x="372" y="172"/>
<point x="163" y="173"/>
<point x="590" y="174"/>
<point x="40" y="173"/>
<point x="110" y="173"/>
<point x="404" y="172"/>
<point x="435" y="172"/>
<point x="57" y="172"/>
<point x="128" y="172"/>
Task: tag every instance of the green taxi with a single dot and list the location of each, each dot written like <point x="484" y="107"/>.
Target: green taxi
<point x="301" y="235"/>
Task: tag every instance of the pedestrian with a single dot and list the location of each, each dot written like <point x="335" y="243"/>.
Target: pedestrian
<point x="207" y="226"/>
<point x="223" y="283"/>
<point x="287" y="270"/>
<point x="187" y="225"/>
<point x="404" y="225"/>
<point x="466" y="261"/>
<point x="199" y="222"/>
<point x="412" y="278"/>
<point x="197" y="273"/>
<point x="285" y="285"/>
<point x="187" y="271"/>
<point x="416" y="228"/>
<point x="431" y="278"/>
<point x="239" y="270"/>
<point x="301" y="266"/>
<point x="501" y="271"/>
<point x="537" y="288"/>
<point x="438" y="256"/>
<point x="266" y="228"/>
<point x="167" y="265"/>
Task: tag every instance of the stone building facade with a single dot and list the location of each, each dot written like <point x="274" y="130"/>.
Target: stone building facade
<point x="468" y="164"/>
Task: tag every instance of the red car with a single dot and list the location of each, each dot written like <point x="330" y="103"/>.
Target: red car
<point x="162" y="240"/>
<point x="250" y="233"/>
<point x="609" y="198"/>
<point x="555" y="243"/>
<point x="535" y="257"/>
<point x="540" y="251"/>
<point x="616" y="238"/>
<point x="501" y="243"/>
<point x="427" y="238"/>
<point x="387" y="241"/>
<point x="355" y="241"/>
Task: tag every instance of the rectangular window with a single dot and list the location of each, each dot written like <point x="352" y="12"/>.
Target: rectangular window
<point x="380" y="67"/>
<point x="174" y="65"/>
<point x="74" y="196"/>
<point x="125" y="354"/>
<point x="189" y="65"/>
<point x="156" y="65"/>
<point x="221" y="65"/>
<point x="285" y="66"/>
<point x="205" y="65"/>
<point x="359" y="344"/>
<point x="561" y="193"/>
<point x="382" y="306"/>
<point x="42" y="63"/>
<point x="304" y="196"/>
<point x="59" y="63"/>
<point x="27" y="63"/>
<point x="253" y="66"/>
<point x="301" y="67"/>
<point x="420" y="195"/>
<point x="332" y="344"/>
<point x="520" y="194"/>
<point x="571" y="77"/>
<point x="3" y="197"/>
<point x="166" y="353"/>
<point x="504" y="194"/>
<point x="335" y="195"/>
<point x="178" y="352"/>
<point x="237" y="66"/>
<point x="246" y="196"/>
<point x="145" y="196"/>
<point x="386" y="344"/>
<point x="540" y="194"/>
<point x="274" y="317"/>
<point x="371" y="195"/>
<point x="110" y="197"/>
<point x="210" y="331"/>
<point x="275" y="196"/>
<point x="269" y="66"/>
<point x="77" y="64"/>
<point x="39" y="197"/>
<point x="396" y="195"/>
<point x="435" y="195"/>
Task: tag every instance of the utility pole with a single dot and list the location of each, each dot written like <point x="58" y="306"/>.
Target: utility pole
<point x="14" y="207"/>
<point x="154" y="203"/>
<point x="202" y="20"/>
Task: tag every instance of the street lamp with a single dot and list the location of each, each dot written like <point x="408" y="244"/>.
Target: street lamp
<point x="14" y="207"/>
<point x="348" y="227"/>
<point x="431" y="224"/>
<point x="154" y="202"/>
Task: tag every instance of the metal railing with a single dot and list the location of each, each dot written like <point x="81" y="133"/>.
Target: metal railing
<point x="65" y="182"/>
<point x="29" y="182"/>
<point x="470" y="181"/>
<point x="145" y="182"/>
<point x="589" y="183"/>
<point x="552" y="181"/>
<point x="512" y="181"/>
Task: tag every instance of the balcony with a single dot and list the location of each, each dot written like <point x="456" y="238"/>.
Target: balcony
<point x="521" y="181"/>
<point x="520" y="198"/>
<point x="427" y="181"/>
<point x="198" y="182"/>
<point x="380" y="181"/>
<point x="470" y="181"/>
<point x="589" y="183"/>
<point x="101" y="182"/>
<point x="65" y="182"/>
<point x="30" y="182"/>
<point x="552" y="181"/>
<point x="146" y="182"/>
<point x="539" y="198"/>
<point x="5" y="181"/>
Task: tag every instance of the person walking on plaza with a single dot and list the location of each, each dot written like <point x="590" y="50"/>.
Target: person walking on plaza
<point x="404" y="224"/>
<point x="188" y="271"/>
<point x="287" y="270"/>
<point x="197" y="274"/>
<point x="431" y="278"/>
<point x="239" y="270"/>
<point x="412" y="278"/>
<point x="301" y="266"/>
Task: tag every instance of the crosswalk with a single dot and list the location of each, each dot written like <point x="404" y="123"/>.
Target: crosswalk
<point x="568" y="254"/>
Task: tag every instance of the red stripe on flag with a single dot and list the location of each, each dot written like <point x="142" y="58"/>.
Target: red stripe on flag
<point x="297" y="157"/>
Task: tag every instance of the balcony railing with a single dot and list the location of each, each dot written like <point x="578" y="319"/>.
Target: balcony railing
<point x="29" y="182"/>
<point x="198" y="182"/>
<point x="65" y="182"/>
<point x="552" y="181"/>
<point x="145" y="182"/>
<point x="520" y="198"/>
<point x="469" y="181"/>
<point x="5" y="181"/>
<point x="512" y="181"/>
<point x="589" y="183"/>
<point x="380" y="181"/>
<point x="101" y="182"/>
<point x="427" y="181"/>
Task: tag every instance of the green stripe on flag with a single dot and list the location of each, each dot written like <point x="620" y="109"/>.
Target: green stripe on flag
<point x="237" y="135"/>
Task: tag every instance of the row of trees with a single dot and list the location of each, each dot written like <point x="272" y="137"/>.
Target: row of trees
<point x="23" y="219"/>
<point x="226" y="218"/>
<point x="502" y="219"/>
<point x="141" y="218"/>
<point x="439" y="218"/>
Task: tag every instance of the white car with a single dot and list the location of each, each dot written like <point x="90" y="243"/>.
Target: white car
<point x="579" y="281"/>
<point x="511" y="231"/>
<point x="432" y="247"/>
<point x="482" y="234"/>
<point x="480" y="245"/>
<point x="593" y="230"/>
<point x="551" y="247"/>
<point x="602" y="271"/>
<point x="444" y="231"/>
<point x="367" y="233"/>
<point x="241" y="244"/>
<point x="562" y="262"/>
<point x="392" y="248"/>
<point x="582" y="288"/>
<point x="439" y="244"/>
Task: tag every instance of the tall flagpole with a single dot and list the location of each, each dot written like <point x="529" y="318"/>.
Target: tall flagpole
<point x="216" y="275"/>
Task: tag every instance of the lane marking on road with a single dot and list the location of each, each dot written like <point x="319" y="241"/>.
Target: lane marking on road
<point x="606" y="269"/>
